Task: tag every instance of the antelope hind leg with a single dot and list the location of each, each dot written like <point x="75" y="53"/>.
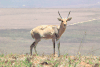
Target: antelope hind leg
<point x="34" y="45"/>
<point x="31" y="47"/>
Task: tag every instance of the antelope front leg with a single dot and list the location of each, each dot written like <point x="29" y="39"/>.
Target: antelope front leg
<point x="58" y="44"/>
<point x="53" y="40"/>
<point x="54" y="48"/>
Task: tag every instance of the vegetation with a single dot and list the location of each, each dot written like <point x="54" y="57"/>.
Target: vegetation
<point x="17" y="60"/>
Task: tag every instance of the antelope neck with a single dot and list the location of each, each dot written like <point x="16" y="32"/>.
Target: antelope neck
<point x="61" y="31"/>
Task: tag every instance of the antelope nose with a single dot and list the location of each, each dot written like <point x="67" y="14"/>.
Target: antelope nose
<point x="64" y="24"/>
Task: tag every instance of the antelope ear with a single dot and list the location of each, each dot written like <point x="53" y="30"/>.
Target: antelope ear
<point x="69" y="19"/>
<point x="59" y="19"/>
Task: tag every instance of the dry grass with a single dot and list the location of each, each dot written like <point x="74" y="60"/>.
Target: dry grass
<point x="17" y="60"/>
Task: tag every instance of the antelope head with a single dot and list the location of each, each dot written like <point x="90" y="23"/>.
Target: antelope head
<point x="64" y="20"/>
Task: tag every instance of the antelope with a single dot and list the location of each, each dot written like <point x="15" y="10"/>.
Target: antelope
<point x="53" y="32"/>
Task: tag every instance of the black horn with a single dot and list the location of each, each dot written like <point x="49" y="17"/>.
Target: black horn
<point x="68" y="14"/>
<point x="59" y="14"/>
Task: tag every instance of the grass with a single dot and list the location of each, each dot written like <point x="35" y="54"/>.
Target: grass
<point x="18" y="60"/>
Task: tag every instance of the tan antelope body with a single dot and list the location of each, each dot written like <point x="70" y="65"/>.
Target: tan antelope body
<point x="53" y="32"/>
<point x="44" y="31"/>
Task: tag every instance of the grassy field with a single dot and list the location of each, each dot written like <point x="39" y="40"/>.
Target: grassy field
<point x="19" y="40"/>
<point x="25" y="60"/>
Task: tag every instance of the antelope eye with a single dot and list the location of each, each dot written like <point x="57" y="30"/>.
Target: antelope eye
<point x="62" y="21"/>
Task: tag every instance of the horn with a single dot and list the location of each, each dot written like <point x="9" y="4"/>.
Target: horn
<point x="68" y="14"/>
<point x="59" y="15"/>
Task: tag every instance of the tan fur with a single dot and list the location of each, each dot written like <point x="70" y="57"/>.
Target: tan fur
<point x="45" y="31"/>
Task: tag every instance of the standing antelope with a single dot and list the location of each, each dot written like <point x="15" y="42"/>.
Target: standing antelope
<point x="53" y="32"/>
